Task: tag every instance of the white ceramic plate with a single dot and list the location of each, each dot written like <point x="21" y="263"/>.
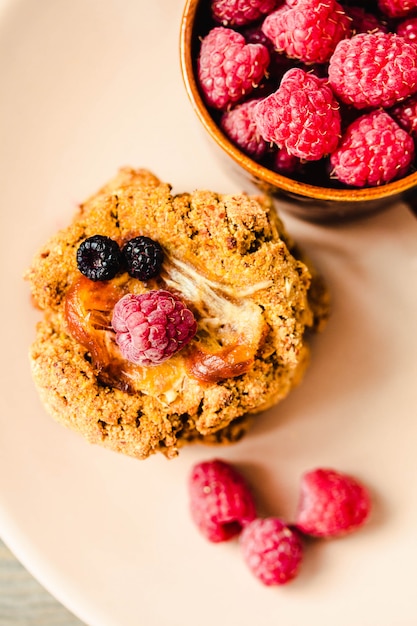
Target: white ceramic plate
<point x="91" y="85"/>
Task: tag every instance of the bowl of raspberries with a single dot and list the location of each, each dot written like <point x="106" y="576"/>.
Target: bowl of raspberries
<point x="313" y="100"/>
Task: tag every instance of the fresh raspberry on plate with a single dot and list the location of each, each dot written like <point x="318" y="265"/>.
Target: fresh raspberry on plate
<point x="152" y="326"/>
<point x="405" y="113"/>
<point x="307" y="29"/>
<point x="240" y="126"/>
<point x="331" y="503"/>
<point x="302" y="116"/>
<point x="397" y="8"/>
<point x="241" y="12"/>
<point x="407" y="29"/>
<point x="228" y="67"/>
<point x="221" y="502"/>
<point x="271" y="550"/>
<point x="373" y="70"/>
<point x="374" y="150"/>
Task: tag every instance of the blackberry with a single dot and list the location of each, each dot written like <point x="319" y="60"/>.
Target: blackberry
<point x="143" y="257"/>
<point x="99" y="258"/>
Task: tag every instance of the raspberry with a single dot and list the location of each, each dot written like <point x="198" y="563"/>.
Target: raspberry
<point x="285" y="163"/>
<point x="254" y="34"/>
<point x="397" y="8"/>
<point x="331" y="504"/>
<point x="278" y="63"/>
<point x="239" y="125"/>
<point x="272" y="550"/>
<point x="309" y="30"/>
<point x="405" y="114"/>
<point x="143" y="257"/>
<point x="221" y="503"/>
<point x="152" y="326"/>
<point x="99" y="258"/>
<point x="363" y="21"/>
<point x="373" y="70"/>
<point x="374" y="150"/>
<point x="240" y="12"/>
<point x="228" y="68"/>
<point x="302" y="116"/>
<point x="407" y="29"/>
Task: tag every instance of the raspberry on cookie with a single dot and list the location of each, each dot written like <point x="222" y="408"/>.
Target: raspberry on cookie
<point x="152" y="326"/>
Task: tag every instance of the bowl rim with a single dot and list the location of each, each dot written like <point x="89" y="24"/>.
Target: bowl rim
<point x="258" y="172"/>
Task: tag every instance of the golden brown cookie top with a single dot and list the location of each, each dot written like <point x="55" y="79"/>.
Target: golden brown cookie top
<point x="229" y="259"/>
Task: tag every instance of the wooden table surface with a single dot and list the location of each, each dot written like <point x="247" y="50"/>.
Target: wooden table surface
<point x="23" y="601"/>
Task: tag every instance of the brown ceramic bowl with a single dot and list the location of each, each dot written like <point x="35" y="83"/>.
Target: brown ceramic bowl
<point x="304" y="199"/>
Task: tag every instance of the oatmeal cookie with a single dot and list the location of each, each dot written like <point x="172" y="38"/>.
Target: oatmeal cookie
<point x="234" y="266"/>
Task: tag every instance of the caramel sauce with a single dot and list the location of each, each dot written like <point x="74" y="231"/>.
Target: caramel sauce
<point x="88" y="308"/>
<point x="212" y="367"/>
